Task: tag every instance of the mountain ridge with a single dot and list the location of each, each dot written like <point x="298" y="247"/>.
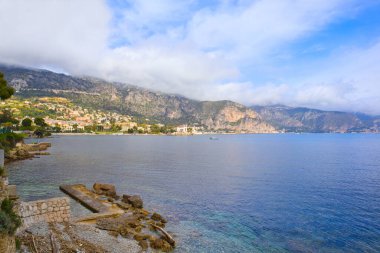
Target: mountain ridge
<point x="303" y="119"/>
<point x="225" y="116"/>
<point x="160" y="107"/>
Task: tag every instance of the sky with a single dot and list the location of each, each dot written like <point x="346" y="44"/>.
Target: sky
<point x="322" y="54"/>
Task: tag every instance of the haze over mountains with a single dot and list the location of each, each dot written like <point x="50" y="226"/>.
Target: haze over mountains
<point x="175" y="109"/>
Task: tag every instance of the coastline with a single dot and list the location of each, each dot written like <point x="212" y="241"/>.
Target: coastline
<point x="200" y="134"/>
<point x="24" y="151"/>
<point x="122" y="225"/>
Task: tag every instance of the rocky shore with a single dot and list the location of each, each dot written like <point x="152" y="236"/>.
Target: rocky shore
<point x="119" y="224"/>
<point x="24" y="151"/>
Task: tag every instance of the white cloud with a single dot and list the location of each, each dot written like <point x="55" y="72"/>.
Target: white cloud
<point x="251" y="31"/>
<point x="66" y="34"/>
<point x="198" y="51"/>
<point x="170" y="70"/>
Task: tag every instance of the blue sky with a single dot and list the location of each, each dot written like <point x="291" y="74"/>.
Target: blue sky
<point x="317" y="53"/>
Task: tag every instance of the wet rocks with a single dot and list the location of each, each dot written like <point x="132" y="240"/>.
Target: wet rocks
<point x="160" y="244"/>
<point x="18" y="153"/>
<point x="119" y="223"/>
<point x="126" y="217"/>
<point x="158" y="217"/>
<point x="135" y="223"/>
<point x="24" y="151"/>
<point x="123" y="205"/>
<point x="135" y="200"/>
<point x="105" y="189"/>
<point x="37" y="146"/>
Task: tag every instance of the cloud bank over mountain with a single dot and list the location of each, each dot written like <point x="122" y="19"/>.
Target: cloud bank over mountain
<point x="322" y="54"/>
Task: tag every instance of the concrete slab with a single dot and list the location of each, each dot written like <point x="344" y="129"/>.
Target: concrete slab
<point x="86" y="197"/>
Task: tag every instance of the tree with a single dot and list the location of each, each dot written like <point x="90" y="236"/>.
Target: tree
<point x="5" y="91"/>
<point x="26" y="122"/>
<point x="40" y="122"/>
<point x="155" y="129"/>
<point x="39" y="132"/>
<point x="9" y="220"/>
<point x="7" y="116"/>
<point x="57" y="128"/>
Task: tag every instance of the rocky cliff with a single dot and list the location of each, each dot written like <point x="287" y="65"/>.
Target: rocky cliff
<point x="291" y="119"/>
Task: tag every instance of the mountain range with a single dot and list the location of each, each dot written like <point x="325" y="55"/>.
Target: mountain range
<point x="157" y="107"/>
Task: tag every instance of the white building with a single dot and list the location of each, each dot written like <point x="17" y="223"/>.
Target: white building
<point x="182" y="129"/>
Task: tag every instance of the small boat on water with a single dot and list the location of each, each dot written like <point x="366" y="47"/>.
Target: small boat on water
<point x="214" y="138"/>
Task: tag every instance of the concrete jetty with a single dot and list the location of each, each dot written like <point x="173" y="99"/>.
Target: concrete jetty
<point x="101" y="208"/>
<point x="86" y="197"/>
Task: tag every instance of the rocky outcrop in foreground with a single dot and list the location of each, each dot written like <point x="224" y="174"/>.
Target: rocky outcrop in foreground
<point x="122" y="215"/>
<point x="134" y="222"/>
<point x="120" y="224"/>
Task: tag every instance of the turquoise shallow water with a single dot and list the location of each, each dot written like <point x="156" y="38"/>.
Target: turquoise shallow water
<point x="241" y="193"/>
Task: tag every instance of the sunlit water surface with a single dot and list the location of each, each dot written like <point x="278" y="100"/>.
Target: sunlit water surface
<point x="241" y="193"/>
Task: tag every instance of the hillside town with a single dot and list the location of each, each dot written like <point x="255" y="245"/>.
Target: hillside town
<point x="61" y="115"/>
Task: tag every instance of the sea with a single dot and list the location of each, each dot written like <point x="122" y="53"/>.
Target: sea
<point x="230" y="193"/>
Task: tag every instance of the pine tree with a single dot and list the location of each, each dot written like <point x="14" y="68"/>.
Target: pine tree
<point x="5" y="91"/>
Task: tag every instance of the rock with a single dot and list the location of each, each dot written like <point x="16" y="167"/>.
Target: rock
<point x="118" y="224"/>
<point x="143" y="245"/>
<point x="43" y="206"/>
<point x="105" y="189"/>
<point x="138" y="229"/>
<point x="160" y="244"/>
<point x="141" y="237"/>
<point x="123" y="205"/>
<point x="113" y="233"/>
<point x="125" y="198"/>
<point x="134" y="200"/>
<point x="144" y="212"/>
<point x="37" y="146"/>
<point x="158" y="217"/>
<point x="39" y="153"/>
<point x="159" y="224"/>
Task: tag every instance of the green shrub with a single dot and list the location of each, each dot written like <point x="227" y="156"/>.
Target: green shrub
<point x="41" y="132"/>
<point x="9" y="140"/>
<point x="18" y="244"/>
<point x="3" y="172"/>
<point x="9" y="220"/>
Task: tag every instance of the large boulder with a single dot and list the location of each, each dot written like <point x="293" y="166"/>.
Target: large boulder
<point x="105" y="189"/>
<point x="121" y="224"/>
<point x="158" y="217"/>
<point x="135" y="200"/>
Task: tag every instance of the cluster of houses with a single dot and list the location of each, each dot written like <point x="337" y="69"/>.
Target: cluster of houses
<point x="72" y="118"/>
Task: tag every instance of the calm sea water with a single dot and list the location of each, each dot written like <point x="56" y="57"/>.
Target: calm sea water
<point x="241" y="193"/>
